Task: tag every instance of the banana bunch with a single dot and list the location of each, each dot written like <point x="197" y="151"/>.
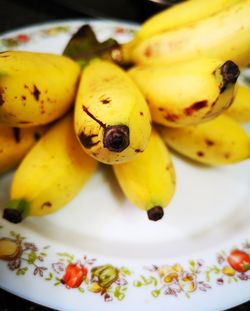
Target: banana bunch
<point x="223" y="34"/>
<point x="181" y="93"/>
<point x="50" y="174"/>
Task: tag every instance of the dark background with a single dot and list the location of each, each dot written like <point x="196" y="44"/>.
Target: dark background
<point x="15" y="14"/>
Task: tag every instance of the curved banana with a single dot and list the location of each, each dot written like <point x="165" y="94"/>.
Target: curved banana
<point x="50" y="175"/>
<point x="35" y="88"/>
<point x="148" y="181"/>
<point x="112" y="119"/>
<point x="189" y="92"/>
<point x="224" y="35"/>
<point x="220" y="141"/>
<point x="179" y="15"/>
<point x="15" y="143"/>
<point x="240" y="108"/>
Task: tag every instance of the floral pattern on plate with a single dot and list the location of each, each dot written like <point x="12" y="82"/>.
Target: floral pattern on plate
<point x="84" y="274"/>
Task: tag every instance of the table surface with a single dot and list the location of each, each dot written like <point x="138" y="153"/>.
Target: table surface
<point x="15" y="14"/>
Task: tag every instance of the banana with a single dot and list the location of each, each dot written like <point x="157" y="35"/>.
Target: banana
<point x="224" y="35"/>
<point x="35" y="88"/>
<point x="15" y="143"/>
<point x="112" y="119"/>
<point x="179" y="15"/>
<point x="240" y="108"/>
<point x="50" y="175"/>
<point x="188" y="92"/>
<point x="220" y="141"/>
<point x="148" y="181"/>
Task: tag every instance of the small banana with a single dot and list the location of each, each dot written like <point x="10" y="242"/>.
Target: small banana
<point x="35" y="88"/>
<point x="15" y="143"/>
<point x="224" y="35"/>
<point x="220" y="141"/>
<point x="112" y="119"/>
<point x="50" y="175"/>
<point x="188" y="92"/>
<point x="181" y="14"/>
<point x="240" y="108"/>
<point x="148" y="181"/>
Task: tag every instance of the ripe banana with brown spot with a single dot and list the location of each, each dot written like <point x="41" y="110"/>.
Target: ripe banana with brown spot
<point x="240" y="108"/>
<point x="50" y="175"/>
<point x="224" y="35"/>
<point x="112" y="119"/>
<point x="15" y="143"/>
<point x="179" y="15"/>
<point x="219" y="141"/>
<point x="35" y="88"/>
<point x="188" y="92"/>
<point x="148" y="181"/>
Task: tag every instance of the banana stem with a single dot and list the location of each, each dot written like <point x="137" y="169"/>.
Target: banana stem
<point x="16" y="210"/>
<point x="155" y="213"/>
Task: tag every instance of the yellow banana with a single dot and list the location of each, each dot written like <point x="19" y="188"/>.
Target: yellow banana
<point x="188" y="92"/>
<point x="35" y="88"/>
<point x="112" y="119"/>
<point x="240" y="108"/>
<point x="15" y="143"/>
<point x="220" y="141"/>
<point x="50" y="175"/>
<point x="148" y="181"/>
<point x="179" y="15"/>
<point x="224" y="35"/>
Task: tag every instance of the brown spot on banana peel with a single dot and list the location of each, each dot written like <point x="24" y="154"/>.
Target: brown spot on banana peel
<point x="35" y="91"/>
<point x="148" y="52"/>
<point x="155" y="213"/>
<point x="16" y="134"/>
<point x="86" y="110"/>
<point x="105" y="100"/>
<point x="87" y="140"/>
<point x="46" y="205"/>
<point x="1" y="96"/>
<point x="36" y="136"/>
<point x="209" y="142"/>
<point x="23" y="122"/>
<point x="171" y="117"/>
<point x="200" y="154"/>
<point x="195" y="107"/>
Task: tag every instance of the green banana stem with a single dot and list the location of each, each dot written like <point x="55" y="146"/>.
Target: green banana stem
<point x="83" y="46"/>
<point x="16" y="210"/>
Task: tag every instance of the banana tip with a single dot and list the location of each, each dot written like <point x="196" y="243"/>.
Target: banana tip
<point x="230" y="72"/>
<point x="116" y="138"/>
<point x="12" y="215"/>
<point x="155" y="213"/>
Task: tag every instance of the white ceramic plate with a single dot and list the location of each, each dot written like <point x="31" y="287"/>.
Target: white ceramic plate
<point x="178" y="263"/>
